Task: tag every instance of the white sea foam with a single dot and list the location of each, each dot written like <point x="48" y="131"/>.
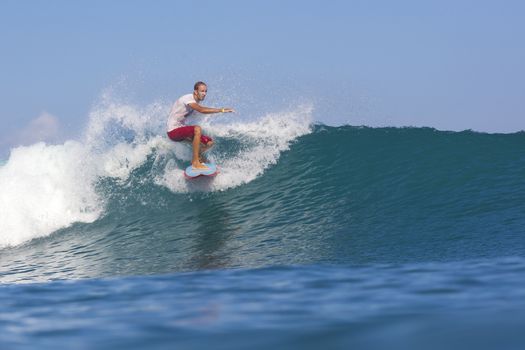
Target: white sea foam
<point x="45" y="187"/>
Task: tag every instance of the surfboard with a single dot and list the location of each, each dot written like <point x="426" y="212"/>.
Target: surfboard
<point x="191" y="173"/>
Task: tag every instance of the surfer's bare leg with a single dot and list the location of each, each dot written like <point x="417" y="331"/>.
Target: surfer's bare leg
<point x="195" y="162"/>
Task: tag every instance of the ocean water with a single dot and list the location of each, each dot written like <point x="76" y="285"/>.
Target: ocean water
<point x="310" y="237"/>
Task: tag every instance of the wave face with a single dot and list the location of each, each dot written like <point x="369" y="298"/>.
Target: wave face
<point x="289" y="193"/>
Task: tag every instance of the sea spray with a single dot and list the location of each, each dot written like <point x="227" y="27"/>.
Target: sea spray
<point x="44" y="188"/>
<point x="261" y="143"/>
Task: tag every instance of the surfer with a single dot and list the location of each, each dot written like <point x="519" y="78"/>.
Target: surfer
<point x="178" y="131"/>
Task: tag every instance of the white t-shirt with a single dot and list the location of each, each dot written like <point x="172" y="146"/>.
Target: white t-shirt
<point x="179" y="111"/>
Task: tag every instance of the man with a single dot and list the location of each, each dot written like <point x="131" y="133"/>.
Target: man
<point x="178" y="131"/>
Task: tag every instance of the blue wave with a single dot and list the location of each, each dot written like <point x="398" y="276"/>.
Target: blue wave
<point x="338" y="195"/>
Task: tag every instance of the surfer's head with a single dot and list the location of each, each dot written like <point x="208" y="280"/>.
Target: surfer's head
<point x="199" y="90"/>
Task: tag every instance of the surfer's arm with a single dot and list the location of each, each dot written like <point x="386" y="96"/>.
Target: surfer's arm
<point x="209" y="110"/>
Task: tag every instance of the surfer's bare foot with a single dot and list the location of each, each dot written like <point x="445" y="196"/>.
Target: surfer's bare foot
<point x="199" y="166"/>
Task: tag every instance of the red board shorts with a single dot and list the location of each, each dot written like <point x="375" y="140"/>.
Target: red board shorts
<point x="186" y="133"/>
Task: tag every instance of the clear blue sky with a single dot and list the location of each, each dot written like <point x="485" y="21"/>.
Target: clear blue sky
<point x="446" y="64"/>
